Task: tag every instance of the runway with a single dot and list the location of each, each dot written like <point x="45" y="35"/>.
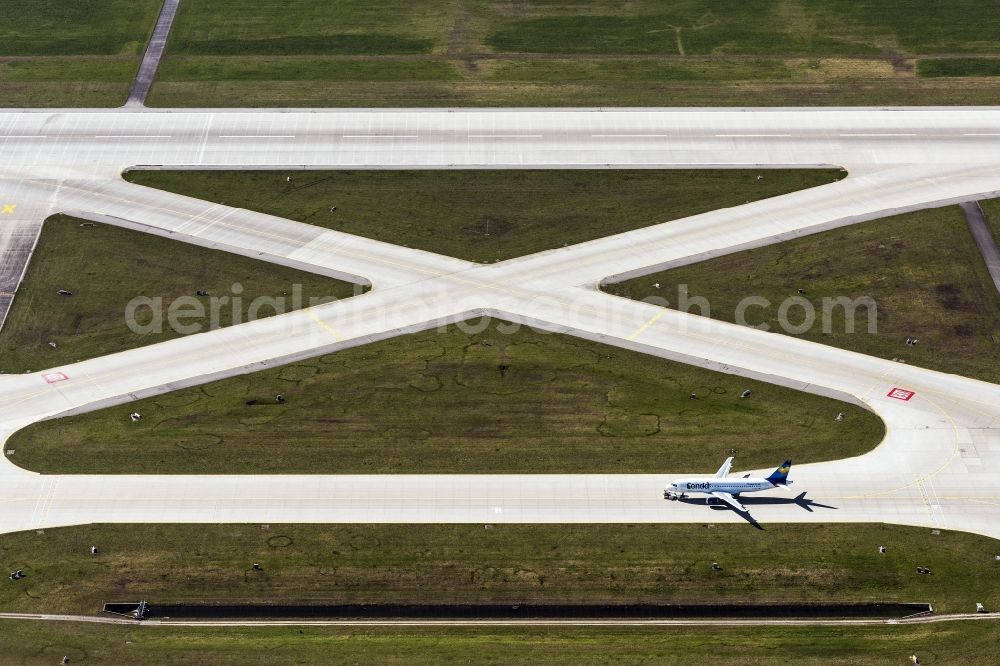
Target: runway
<point x="937" y="466"/>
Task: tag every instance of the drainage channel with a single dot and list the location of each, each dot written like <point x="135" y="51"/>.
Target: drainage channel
<point x="153" y="610"/>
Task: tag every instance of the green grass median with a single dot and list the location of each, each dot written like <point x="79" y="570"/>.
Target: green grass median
<point x="599" y="53"/>
<point x="105" y="267"/>
<point x="479" y="564"/>
<point x="456" y="401"/>
<point x="922" y="271"/>
<point x="486" y="215"/>
<point x="84" y="53"/>
<point x="946" y="643"/>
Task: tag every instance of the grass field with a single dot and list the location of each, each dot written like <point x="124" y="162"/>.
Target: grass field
<point x="476" y="53"/>
<point x="486" y="216"/>
<point x="456" y="402"/>
<point x="601" y="52"/>
<point x="412" y="564"/>
<point x="954" y="643"/>
<point x="82" y="53"/>
<point x="991" y="207"/>
<point x="95" y="261"/>
<point x="922" y="269"/>
<point x="934" y="67"/>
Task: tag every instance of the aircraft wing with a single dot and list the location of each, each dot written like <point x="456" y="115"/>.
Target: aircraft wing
<point x="730" y="500"/>
<point x="724" y="470"/>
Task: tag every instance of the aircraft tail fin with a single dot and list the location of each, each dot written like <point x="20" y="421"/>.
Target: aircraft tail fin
<point x="779" y="477"/>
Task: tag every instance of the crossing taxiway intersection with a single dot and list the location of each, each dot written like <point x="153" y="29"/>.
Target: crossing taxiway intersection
<point x="936" y="467"/>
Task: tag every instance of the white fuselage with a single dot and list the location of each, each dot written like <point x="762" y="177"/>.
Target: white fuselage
<point x="717" y="485"/>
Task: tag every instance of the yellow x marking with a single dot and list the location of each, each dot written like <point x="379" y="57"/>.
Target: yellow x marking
<point x="8" y="209"/>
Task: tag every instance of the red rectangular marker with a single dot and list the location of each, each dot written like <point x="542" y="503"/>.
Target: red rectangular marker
<point x="900" y="394"/>
<point x="54" y="377"/>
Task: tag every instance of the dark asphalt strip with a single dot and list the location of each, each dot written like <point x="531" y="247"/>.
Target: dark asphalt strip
<point x="984" y="239"/>
<point x="154" y="52"/>
<point x="923" y="619"/>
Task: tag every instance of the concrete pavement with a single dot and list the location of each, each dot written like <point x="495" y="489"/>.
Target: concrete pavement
<point x="20" y="224"/>
<point x="984" y="239"/>
<point x="154" y="52"/>
<point x="937" y="466"/>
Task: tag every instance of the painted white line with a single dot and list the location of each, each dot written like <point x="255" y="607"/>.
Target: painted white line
<point x="982" y="134"/>
<point x="380" y="136"/>
<point x="878" y="134"/>
<point x="204" y="138"/>
<point x="131" y="136"/>
<point x="256" y="136"/>
<point x="505" y="136"/>
<point x="26" y="136"/>
<point x="751" y="135"/>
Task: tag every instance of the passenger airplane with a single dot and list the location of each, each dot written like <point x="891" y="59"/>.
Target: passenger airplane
<point x="721" y="488"/>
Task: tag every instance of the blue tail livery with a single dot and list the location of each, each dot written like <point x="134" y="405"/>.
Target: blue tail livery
<point x="779" y="477"/>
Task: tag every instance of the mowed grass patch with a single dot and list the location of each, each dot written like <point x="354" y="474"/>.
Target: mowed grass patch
<point x="470" y="27"/>
<point x="66" y="80"/>
<point x="81" y="53"/>
<point x="932" y="67"/>
<point x="622" y="70"/>
<point x="991" y="210"/>
<point x="748" y="27"/>
<point x="290" y="27"/>
<point x="915" y="26"/>
<point x="52" y="92"/>
<point x="484" y="215"/>
<point x="82" y="27"/>
<point x="449" y="401"/>
<point x="940" y="643"/>
<point x="922" y="269"/>
<point x="839" y="91"/>
<point x="105" y="267"/>
<point x="258" y="68"/>
<point x="641" y="53"/>
<point x="68" y="69"/>
<point x="468" y="564"/>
